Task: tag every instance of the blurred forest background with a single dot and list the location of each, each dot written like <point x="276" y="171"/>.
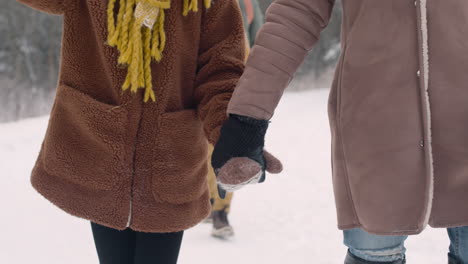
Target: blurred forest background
<point x="30" y="50"/>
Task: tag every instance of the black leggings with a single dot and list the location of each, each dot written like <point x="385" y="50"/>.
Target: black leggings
<point x="131" y="247"/>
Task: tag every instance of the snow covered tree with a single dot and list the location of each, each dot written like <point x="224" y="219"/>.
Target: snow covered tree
<point x="325" y="54"/>
<point x="30" y="49"/>
<point x="29" y="53"/>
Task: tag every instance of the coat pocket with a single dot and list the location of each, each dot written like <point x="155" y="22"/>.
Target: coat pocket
<point x="180" y="164"/>
<point x="84" y="143"/>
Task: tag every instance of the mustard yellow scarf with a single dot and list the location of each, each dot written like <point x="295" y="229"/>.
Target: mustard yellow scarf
<point x="139" y="36"/>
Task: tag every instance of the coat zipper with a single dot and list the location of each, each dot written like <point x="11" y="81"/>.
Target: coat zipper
<point x="130" y="210"/>
<point x="425" y="56"/>
<point x="129" y="221"/>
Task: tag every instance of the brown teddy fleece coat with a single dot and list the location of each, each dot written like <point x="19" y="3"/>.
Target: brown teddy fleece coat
<point x="117" y="161"/>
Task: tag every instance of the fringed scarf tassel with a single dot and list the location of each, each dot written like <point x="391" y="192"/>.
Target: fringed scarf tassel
<point x="140" y="37"/>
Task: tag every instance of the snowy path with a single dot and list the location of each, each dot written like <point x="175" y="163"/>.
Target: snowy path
<point x="289" y="219"/>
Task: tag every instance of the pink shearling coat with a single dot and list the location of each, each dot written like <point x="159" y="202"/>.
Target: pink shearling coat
<point x="398" y="106"/>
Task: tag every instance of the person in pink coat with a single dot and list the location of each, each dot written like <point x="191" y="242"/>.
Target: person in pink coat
<point x="398" y="113"/>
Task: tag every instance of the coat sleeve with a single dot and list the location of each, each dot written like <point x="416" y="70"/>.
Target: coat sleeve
<point x="220" y="64"/>
<point x="292" y="28"/>
<point x="54" y="7"/>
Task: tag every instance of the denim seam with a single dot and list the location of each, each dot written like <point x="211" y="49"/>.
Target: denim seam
<point x="369" y="257"/>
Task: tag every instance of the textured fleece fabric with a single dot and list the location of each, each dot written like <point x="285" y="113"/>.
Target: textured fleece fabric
<point x="398" y="109"/>
<point x="109" y="157"/>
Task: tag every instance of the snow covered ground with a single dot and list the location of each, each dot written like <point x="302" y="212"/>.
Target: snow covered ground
<point x="289" y="219"/>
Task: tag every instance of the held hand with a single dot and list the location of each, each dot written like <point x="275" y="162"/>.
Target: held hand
<point x="238" y="158"/>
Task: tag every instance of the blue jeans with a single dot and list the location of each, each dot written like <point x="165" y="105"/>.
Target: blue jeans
<point x="392" y="248"/>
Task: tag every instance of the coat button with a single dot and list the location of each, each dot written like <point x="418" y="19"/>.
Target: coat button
<point x="418" y="73"/>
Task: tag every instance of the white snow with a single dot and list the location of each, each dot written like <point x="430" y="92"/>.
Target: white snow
<point x="289" y="219"/>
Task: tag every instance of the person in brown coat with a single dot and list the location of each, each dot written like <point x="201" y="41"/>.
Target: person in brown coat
<point x="143" y="84"/>
<point x="398" y="114"/>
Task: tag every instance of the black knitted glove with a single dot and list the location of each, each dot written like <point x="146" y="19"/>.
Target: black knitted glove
<point x="238" y="157"/>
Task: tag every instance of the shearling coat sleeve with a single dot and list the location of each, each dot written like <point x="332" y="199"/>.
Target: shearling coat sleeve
<point x="292" y="28"/>
<point x="220" y="63"/>
<point x="54" y="7"/>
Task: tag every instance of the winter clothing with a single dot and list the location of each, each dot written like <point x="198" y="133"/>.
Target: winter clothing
<point x="221" y="227"/>
<point x="139" y="35"/>
<point x="109" y="157"/>
<point x="374" y="248"/>
<point x="130" y="247"/>
<point x="220" y="207"/>
<point x="253" y="18"/>
<point x="217" y="202"/>
<point x="390" y="249"/>
<point x="351" y="259"/>
<point x="238" y="158"/>
<point x="397" y="106"/>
